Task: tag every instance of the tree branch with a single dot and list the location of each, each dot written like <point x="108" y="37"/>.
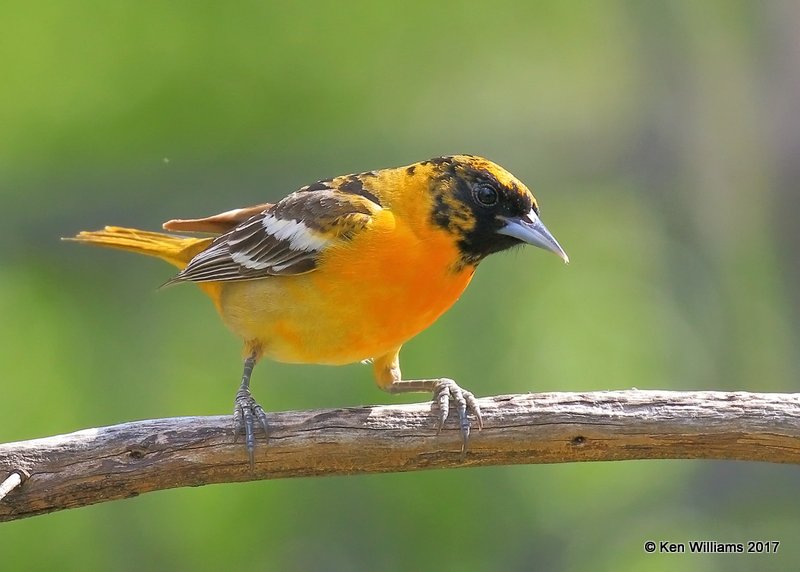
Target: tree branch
<point x="108" y="463"/>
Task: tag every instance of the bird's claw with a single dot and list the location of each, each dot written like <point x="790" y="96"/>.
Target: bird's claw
<point x="245" y="411"/>
<point x="443" y="391"/>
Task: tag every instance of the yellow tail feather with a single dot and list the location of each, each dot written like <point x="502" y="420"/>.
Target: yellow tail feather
<point x="177" y="250"/>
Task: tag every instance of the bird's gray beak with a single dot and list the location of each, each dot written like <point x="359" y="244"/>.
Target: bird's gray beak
<point x="530" y="229"/>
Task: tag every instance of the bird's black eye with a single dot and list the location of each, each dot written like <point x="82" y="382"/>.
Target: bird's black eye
<point x="485" y="195"/>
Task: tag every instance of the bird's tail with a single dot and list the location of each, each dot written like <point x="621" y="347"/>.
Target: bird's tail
<point x="177" y="250"/>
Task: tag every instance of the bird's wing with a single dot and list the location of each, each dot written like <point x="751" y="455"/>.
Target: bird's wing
<point x="217" y="224"/>
<point x="284" y="239"/>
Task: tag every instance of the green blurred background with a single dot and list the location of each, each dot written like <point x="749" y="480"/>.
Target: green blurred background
<point x="662" y="139"/>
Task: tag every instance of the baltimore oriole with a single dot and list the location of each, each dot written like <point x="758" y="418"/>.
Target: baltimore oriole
<point x="348" y="269"/>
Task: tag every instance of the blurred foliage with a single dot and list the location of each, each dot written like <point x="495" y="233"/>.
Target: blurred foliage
<point x="661" y="138"/>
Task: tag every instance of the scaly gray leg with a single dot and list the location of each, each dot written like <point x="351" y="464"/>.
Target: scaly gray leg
<point x="245" y="409"/>
<point x="443" y="390"/>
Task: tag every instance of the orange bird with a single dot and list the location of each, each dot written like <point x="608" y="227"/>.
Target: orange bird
<point x="348" y="269"/>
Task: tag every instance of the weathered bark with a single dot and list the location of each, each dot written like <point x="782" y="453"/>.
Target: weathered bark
<point x="108" y="463"/>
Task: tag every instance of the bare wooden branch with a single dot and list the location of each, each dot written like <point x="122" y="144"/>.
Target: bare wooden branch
<point x="108" y="463"/>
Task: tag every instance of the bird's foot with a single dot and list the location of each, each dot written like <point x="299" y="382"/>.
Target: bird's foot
<point x="443" y="391"/>
<point x="246" y="412"/>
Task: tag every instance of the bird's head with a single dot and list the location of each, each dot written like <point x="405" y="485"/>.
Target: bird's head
<point x="486" y="206"/>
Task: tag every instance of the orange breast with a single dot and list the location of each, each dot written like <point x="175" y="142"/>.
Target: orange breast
<point x="366" y="298"/>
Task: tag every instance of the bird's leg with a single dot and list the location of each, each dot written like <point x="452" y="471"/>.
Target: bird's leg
<point x="388" y="378"/>
<point x="246" y="409"/>
<point x="443" y="390"/>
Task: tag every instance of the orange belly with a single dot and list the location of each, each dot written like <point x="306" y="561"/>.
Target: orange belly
<point x="365" y="299"/>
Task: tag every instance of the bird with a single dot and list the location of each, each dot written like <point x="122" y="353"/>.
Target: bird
<point x="348" y="269"/>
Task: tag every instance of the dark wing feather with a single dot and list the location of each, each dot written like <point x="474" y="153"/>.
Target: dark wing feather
<point x="217" y="224"/>
<point x="285" y="239"/>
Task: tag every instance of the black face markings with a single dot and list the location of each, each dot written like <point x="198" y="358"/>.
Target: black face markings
<point x="410" y="170"/>
<point x="441" y="210"/>
<point x="441" y="188"/>
<point x="354" y="184"/>
<point x="466" y="186"/>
